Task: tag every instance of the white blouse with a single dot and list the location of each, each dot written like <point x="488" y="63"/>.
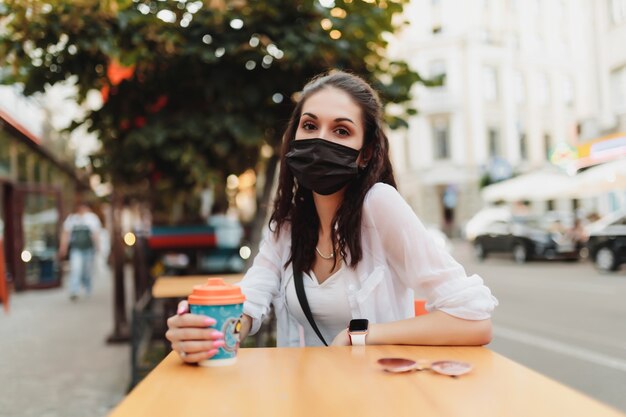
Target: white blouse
<point x="328" y="302"/>
<point x="400" y="262"/>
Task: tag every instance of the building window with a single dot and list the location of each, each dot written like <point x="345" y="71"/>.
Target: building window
<point x="441" y="136"/>
<point x="493" y="136"/>
<point x="490" y="84"/>
<point x="523" y="146"/>
<point x="43" y="171"/>
<point x="547" y="143"/>
<point x="563" y="11"/>
<point x="515" y="41"/>
<point x="5" y="155"/>
<point x="37" y="166"/>
<point x="543" y="89"/>
<point x="22" y="163"/>
<point x="437" y="69"/>
<point x="518" y="87"/>
<point x="536" y="23"/>
<point x="568" y="91"/>
<point x="618" y="88"/>
<point x="618" y="11"/>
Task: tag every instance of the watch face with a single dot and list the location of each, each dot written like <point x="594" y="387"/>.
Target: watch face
<point x="358" y="325"/>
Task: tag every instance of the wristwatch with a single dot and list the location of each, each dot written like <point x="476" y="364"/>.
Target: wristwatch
<point x="357" y="331"/>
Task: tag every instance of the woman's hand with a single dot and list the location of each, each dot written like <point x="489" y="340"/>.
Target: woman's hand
<point x="191" y="335"/>
<point x="342" y="339"/>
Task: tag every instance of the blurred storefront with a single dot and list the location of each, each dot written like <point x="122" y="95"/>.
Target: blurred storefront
<point x="601" y="169"/>
<point x="36" y="192"/>
<point x="588" y="178"/>
<point x="600" y="150"/>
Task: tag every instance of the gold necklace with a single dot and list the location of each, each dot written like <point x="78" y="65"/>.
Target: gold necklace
<point x="331" y="256"/>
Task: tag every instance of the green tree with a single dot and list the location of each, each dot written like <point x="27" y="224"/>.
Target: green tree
<point x="194" y="88"/>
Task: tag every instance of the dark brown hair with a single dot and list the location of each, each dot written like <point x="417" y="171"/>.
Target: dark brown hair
<point x="294" y="204"/>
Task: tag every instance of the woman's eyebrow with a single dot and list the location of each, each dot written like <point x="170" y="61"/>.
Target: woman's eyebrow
<point x="344" y="119"/>
<point x="339" y="119"/>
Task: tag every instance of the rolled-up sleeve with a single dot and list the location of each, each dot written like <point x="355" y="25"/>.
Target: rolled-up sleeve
<point x="420" y="263"/>
<point x="261" y="283"/>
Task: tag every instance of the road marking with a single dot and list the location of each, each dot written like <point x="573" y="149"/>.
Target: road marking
<point x="559" y="347"/>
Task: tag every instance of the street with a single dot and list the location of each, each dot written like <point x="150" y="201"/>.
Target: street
<point x="563" y="319"/>
<point x="55" y="361"/>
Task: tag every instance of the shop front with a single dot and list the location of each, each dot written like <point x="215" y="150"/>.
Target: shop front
<point x="36" y="193"/>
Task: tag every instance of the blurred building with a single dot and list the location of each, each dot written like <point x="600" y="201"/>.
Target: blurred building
<point x="610" y="55"/>
<point x="37" y="190"/>
<point x="522" y="78"/>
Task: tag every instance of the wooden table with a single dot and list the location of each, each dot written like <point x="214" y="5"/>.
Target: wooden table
<point x="346" y="381"/>
<point x="181" y="286"/>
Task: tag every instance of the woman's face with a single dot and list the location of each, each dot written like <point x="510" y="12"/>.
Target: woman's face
<point x="331" y="114"/>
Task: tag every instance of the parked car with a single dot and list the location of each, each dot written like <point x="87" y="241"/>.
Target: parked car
<point x="479" y="223"/>
<point x="526" y="238"/>
<point x="607" y="242"/>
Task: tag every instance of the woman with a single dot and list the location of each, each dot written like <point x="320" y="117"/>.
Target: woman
<point x="357" y="247"/>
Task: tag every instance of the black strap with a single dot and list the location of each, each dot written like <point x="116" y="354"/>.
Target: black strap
<point x="299" y="283"/>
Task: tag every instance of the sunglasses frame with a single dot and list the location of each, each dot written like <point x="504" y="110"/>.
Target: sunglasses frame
<point x="442" y="367"/>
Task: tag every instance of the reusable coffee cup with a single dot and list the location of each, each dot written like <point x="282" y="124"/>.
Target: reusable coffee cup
<point x="224" y="303"/>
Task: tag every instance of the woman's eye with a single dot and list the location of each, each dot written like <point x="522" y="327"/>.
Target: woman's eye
<point x="343" y="132"/>
<point x="308" y="126"/>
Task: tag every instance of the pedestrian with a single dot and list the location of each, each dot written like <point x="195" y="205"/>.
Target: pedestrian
<point x="344" y="256"/>
<point x="577" y="234"/>
<point x="81" y="237"/>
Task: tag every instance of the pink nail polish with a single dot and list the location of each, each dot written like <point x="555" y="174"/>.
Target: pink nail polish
<point x="181" y="310"/>
<point x="218" y="335"/>
<point x="209" y="321"/>
<point x="212" y="352"/>
<point x="219" y="343"/>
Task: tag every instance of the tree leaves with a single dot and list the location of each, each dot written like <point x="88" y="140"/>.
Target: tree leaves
<point x="207" y="89"/>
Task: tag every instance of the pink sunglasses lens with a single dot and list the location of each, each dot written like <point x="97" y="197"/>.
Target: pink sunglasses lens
<point x="451" y="368"/>
<point x="397" y="364"/>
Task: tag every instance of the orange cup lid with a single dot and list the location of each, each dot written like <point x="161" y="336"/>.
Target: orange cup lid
<point x="216" y="292"/>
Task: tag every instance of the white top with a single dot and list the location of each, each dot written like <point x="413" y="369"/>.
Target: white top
<point x="88" y="219"/>
<point x="328" y="302"/>
<point x="400" y="262"/>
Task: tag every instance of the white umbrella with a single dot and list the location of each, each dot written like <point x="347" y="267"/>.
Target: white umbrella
<point x="538" y="185"/>
<point x="600" y="179"/>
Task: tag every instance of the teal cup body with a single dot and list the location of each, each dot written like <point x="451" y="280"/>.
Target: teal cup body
<point x="228" y="317"/>
<point x="222" y="302"/>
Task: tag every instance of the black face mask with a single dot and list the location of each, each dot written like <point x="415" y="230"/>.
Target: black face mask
<point x="322" y="166"/>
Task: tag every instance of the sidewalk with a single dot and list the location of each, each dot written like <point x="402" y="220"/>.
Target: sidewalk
<point x="54" y="360"/>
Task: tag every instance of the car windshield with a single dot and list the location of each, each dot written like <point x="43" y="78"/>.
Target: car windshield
<point x="526" y="221"/>
<point x="550" y="223"/>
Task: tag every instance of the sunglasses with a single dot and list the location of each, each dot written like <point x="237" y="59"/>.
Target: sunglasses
<point x="448" y="368"/>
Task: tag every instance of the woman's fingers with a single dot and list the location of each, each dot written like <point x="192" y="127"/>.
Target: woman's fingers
<point x="197" y="357"/>
<point x="193" y="351"/>
<point x="183" y="307"/>
<point x="197" y="346"/>
<point x="192" y="333"/>
<point x="190" y="320"/>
